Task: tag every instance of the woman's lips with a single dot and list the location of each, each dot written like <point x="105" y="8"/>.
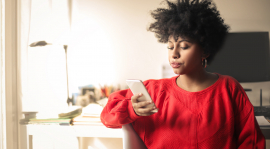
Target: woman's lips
<point x="175" y="65"/>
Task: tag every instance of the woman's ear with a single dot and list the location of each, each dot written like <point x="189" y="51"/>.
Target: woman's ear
<point x="205" y="55"/>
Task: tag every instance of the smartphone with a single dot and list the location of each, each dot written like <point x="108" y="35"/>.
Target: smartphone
<point x="136" y="87"/>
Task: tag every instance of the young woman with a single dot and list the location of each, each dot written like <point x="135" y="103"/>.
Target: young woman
<point x="196" y="109"/>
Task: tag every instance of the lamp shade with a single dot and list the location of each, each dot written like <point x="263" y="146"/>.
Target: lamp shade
<point x="39" y="43"/>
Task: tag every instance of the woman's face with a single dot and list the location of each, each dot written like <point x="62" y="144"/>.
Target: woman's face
<point x="185" y="56"/>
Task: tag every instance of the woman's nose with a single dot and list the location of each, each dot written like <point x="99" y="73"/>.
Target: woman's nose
<point x="175" y="54"/>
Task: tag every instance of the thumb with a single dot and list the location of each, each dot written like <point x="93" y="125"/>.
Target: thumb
<point x="135" y="97"/>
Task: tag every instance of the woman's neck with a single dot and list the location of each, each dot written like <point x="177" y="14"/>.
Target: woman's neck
<point x="196" y="81"/>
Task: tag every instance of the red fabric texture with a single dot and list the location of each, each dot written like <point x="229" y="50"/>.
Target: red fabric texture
<point x="218" y="117"/>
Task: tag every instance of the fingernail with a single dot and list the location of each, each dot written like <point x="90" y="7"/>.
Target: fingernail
<point x="150" y="101"/>
<point x="140" y="94"/>
<point x="154" y="108"/>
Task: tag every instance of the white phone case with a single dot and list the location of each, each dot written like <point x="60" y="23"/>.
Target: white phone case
<point x="136" y="87"/>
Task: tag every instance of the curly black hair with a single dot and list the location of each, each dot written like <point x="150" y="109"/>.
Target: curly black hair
<point x="197" y="20"/>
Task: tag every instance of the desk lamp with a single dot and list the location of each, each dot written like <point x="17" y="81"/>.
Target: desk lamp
<point x="44" y="43"/>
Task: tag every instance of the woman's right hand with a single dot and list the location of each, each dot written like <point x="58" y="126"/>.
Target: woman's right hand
<point x="140" y="106"/>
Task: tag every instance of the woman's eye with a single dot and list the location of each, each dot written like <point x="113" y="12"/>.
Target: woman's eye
<point x="170" y="48"/>
<point x="184" y="48"/>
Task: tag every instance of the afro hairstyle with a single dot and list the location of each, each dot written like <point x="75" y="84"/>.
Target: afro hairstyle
<point x="198" y="20"/>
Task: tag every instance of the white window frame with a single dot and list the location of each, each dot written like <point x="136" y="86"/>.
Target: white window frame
<point x="9" y="101"/>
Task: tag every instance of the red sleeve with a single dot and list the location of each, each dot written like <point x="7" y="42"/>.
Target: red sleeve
<point x="247" y="130"/>
<point x="118" y="111"/>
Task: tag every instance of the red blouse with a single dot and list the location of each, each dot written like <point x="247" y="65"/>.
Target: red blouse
<point x="220" y="116"/>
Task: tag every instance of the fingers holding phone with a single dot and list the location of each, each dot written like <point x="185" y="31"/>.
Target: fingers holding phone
<point x="142" y="108"/>
<point x="142" y="102"/>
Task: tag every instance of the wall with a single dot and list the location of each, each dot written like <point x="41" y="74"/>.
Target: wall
<point x="121" y="49"/>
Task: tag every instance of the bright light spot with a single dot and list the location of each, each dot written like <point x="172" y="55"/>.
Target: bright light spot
<point x="99" y="144"/>
<point x="91" y="57"/>
<point x="93" y="109"/>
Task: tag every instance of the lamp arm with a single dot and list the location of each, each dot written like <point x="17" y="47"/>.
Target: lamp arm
<point x="68" y="97"/>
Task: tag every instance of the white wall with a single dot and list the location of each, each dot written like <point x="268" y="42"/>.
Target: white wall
<point x="122" y="47"/>
<point x="245" y="15"/>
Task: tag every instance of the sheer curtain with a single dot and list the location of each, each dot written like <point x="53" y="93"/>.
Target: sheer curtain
<point x="43" y="68"/>
<point x="41" y="71"/>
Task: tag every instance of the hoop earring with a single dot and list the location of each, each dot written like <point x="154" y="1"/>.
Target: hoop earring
<point x="205" y="63"/>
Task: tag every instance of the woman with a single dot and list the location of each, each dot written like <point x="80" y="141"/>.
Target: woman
<point x="196" y="109"/>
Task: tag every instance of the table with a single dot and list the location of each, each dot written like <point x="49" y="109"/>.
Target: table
<point x="73" y="132"/>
